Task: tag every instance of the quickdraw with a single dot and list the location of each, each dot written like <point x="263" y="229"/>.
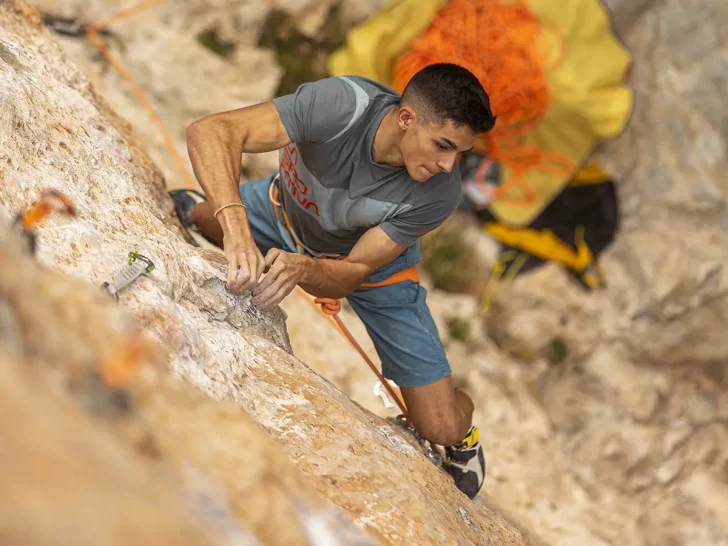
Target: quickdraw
<point x="138" y="265"/>
<point x="50" y="202"/>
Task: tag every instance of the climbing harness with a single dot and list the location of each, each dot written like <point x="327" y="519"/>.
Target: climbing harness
<point x="331" y="306"/>
<point x="138" y="265"/>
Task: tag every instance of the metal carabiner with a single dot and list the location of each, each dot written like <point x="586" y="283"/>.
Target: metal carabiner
<point x="138" y="265"/>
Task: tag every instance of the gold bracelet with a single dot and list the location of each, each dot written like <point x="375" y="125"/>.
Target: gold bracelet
<point x="226" y="206"/>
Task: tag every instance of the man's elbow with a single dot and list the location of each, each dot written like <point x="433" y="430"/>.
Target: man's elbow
<point x="209" y="128"/>
<point x="356" y="281"/>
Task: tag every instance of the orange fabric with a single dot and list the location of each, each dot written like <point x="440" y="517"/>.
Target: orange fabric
<point x="409" y="274"/>
<point x="498" y="41"/>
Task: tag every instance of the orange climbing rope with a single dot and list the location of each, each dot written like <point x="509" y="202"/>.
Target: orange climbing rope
<point x="329" y="307"/>
<point x="499" y="42"/>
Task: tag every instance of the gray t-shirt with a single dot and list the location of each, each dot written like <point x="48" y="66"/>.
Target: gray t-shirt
<point x="331" y="188"/>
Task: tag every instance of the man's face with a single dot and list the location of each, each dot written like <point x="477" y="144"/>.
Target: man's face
<point x="431" y="148"/>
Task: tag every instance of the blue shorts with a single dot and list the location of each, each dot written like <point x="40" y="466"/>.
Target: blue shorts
<point x="396" y="316"/>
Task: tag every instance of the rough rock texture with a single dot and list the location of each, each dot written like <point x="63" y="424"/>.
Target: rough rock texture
<point x="166" y="463"/>
<point x="639" y="401"/>
<point x="161" y="47"/>
<point x="219" y="409"/>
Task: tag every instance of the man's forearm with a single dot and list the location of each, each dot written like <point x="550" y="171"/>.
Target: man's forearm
<point x="332" y="278"/>
<point x="216" y="161"/>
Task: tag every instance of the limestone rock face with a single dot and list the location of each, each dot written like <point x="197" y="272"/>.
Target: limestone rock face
<point x="180" y="386"/>
<point x="161" y="47"/>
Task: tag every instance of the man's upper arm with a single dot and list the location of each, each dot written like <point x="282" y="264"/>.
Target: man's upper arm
<point x="375" y="249"/>
<point x="319" y="111"/>
<point x="257" y="128"/>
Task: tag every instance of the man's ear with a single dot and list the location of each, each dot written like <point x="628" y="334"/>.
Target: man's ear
<point x="406" y="117"/>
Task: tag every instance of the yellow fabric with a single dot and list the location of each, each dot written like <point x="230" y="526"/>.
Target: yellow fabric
<point x="544" y="244"/>
<point x="372" y="48"/>
<point x="472" y="439"/>
<point x="590" y="101"/>
<point x="590" y="173"/>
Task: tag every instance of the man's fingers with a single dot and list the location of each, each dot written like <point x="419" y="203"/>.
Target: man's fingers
<point x="260" y="266"/>
<point x="256" y="266"/>
<point x="276" y="297"/>
<point x="273" y="274"/>
<point x="232" y="274"/>
<point x="271" y="257"/>
<point x="275" y="279"/>
<point x="243" y="279"/>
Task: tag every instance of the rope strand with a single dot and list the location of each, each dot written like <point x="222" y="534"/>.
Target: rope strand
<point x="500" y="42"/>
<point x="330" y="308"/>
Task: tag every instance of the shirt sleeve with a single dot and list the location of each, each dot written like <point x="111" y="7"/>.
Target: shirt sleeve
<point x="317" y="111"/>
<point x="406" y="228"/>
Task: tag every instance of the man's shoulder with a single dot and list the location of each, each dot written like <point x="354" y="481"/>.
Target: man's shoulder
<point x="442" y="191"/>
<point x="447" y="186"/>
<point x="371" y="87"/>
<point x="351" y="85"/>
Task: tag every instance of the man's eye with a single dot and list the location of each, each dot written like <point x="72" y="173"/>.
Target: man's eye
<point x="441" y="146"/>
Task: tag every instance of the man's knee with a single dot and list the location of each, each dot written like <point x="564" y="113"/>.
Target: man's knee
<point x="446" y="431"/>
<point x="440" y="413"/>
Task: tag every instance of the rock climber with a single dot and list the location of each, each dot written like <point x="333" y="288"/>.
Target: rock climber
<point x="364" y="173"/>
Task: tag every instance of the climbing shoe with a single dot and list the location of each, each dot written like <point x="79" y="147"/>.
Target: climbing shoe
<point x="184" y="201"/>
<point x="465" y="462"/>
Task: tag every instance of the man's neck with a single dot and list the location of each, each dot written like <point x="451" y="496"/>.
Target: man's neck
<point x="385" y="146"/>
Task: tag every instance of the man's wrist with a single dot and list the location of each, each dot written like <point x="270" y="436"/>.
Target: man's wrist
<point x="308" y="268"/>
<point x="234" y="221"/>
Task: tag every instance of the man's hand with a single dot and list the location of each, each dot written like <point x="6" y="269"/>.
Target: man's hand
<point x="245" y="262"/>
<point x="283" y="272"/>
<point x="216" y="144"/>
<point x="339" y="278"/>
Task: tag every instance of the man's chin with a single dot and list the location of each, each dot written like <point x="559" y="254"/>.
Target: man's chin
<point x="420" y="175"/>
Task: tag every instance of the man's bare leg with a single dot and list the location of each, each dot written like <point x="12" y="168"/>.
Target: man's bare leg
<point x="440" y="413"/>
<point x="443" y="415"/>
<point x="194" y="211"/>
<point x="203" y="218"/>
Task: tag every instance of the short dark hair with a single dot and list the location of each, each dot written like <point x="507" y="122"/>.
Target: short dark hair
<point x="446" y="91"/>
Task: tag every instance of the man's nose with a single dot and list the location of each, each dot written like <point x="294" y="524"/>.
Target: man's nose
<point x="446" y="164"/>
